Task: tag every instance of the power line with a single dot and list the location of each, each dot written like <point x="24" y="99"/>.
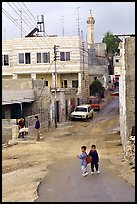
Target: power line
<point x="20" y="15"/>
<point x="12" y="19"/>
<point x="30" y="18"/>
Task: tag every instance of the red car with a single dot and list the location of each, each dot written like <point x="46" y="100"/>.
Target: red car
<point x="95" y="103"/>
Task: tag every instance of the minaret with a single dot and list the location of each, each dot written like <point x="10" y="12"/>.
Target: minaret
<point x="90" y="23"/>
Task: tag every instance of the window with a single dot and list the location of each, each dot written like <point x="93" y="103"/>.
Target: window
<point x="38" y="57"/>
<point x="46" y="83"/>
<point x="117" y="60"/>
<point x="43" y="57"/>
<point x="27" y="58"/>
<point x="75" y="83"/>
<point x="67" y="56"/>
<point x="65" y="83"/>
<point x="64" y="56"/>
<point x="46" y="57"/>
<point x="24" y="58"/>
<point x="5" y="60"/>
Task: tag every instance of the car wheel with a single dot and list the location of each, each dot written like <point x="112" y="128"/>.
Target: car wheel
<point x="86" y="119"/>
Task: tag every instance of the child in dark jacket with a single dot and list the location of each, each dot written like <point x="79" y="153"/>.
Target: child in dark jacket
<point x="95" y="159"/>
<point x="83" y="157"/>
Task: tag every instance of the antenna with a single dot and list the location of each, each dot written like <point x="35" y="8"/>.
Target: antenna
<point x="91" y="12"/>
<point x="78" y="22"/>
<point x="82" y="34"/>
<point x="4" y="31"/>
<point x="62" y="25"/>
<point x="21" y="21"/>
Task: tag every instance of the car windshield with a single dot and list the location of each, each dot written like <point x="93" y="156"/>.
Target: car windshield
<point x="81" y="109"/>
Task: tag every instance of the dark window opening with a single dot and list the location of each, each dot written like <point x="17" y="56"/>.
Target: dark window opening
<point x="6" y="60"/>
<point x="27" y="58"/>
<point x="67" y="56"/>
<point x="21" y="58"/>
<point x="75" y="83"/>
<point x="46" y="83"/>
<point x="38" y="57"/>
<point x="65" y="83"/>
<point x="117" y="60"/>
<point x="46" y="57"/>
<point x="62" y="56"/>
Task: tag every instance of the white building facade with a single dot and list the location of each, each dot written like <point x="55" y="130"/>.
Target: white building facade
<point x="33" y="57"/>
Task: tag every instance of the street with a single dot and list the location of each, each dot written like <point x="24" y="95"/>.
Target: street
<point x="66" y="184"/>
<point x="51" y="171"/>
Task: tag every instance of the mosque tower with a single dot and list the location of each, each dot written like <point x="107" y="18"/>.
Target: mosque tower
<point x="90" y="23"/>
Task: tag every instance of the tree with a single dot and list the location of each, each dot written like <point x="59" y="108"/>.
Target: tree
<point x="96" y="88"/>
<point x="112" y="43"/>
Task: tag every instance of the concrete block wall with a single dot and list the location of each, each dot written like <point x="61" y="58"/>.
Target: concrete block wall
<point x="130" y="83"/>
<point x="127" y="93"/>
<point x="6" y="134"/>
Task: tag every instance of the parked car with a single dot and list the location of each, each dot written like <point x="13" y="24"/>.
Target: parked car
<point x="94" y="102"/>
<point x="83" y="112"/>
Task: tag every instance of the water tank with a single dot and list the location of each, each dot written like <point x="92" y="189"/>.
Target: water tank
<point x="40" y="19"/>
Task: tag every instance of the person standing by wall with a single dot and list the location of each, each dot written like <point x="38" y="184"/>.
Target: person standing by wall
<point x="21" y="125"/>
<point x="37" y="127"/>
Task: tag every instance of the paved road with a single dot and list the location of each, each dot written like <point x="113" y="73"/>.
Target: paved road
<point x="65" y="183"/>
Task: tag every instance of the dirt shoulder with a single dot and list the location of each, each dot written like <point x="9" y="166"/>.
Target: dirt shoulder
<point x="24" y="165"/>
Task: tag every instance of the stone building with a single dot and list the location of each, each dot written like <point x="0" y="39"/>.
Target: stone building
<point x="97" y="60"/>
<point x="32" y="59"/>
<point x="127" y="90"/>
<point x="98" y="63"/>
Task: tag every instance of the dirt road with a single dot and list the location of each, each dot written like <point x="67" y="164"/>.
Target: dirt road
<point x="26" y="164"/>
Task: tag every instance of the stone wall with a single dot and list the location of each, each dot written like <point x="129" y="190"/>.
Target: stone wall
<point x="6" y="134"/>
<point x="127" y="98"/>
<point x="130" y="83"/>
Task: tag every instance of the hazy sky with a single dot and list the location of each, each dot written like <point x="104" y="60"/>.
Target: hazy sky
<point x="117" y="17"/>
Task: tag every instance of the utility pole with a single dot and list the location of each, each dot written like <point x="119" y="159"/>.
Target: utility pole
<point x="55" y="102"/>
<point x="83" y="61"/>
<point x="78" y="22"/>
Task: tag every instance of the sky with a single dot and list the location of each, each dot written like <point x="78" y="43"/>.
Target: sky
<point x="116" y="17"/>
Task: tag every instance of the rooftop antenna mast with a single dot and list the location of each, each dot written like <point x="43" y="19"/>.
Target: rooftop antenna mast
<point x="78" y="22"/>
<point x="62" y="25"/>
<point x="21" y="21"/>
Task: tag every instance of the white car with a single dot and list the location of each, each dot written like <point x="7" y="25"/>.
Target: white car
<point x="84" y="112"/>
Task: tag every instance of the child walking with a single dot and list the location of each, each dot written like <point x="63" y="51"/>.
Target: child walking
<point x="83" y="157"/>
<point x="95" y="159"/>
